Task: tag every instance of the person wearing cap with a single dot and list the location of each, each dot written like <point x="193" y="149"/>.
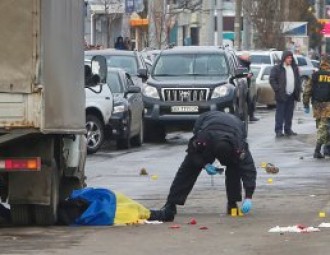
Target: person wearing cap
<point x="317" y="91"/>
<point x="285" y="81"/>
<point x="221" y="136"/>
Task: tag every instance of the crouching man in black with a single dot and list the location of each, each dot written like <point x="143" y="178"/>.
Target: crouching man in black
<point x="221" y="136"/>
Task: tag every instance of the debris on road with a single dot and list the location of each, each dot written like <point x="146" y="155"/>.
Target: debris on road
<point x="153" y="222"/>
<point x="293" y="229"/>
<point x="175" y="226"/>
<point x="270" y="180"/>
<point x="203" y="228"/>
<point x="324" y="225"/>
<point x="271" y="168"/>
<point x="143" y="172"/>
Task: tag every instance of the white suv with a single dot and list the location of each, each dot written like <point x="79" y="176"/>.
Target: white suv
<point x="99" y="108"/>
<point x="262" y="57"/>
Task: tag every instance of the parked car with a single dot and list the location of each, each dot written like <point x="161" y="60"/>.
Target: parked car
<point x="126" y="122"/>
<point x="265" y="93"/>
<point x="131" y="61"/>
<point x="263" y="57"/>
<point x="150" y="54"/>
<point x="99" y="107"/>
<point x="316" y="64"/>
<point x="187" y="81"/>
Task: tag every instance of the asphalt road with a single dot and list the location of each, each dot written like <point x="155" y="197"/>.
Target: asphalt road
<point x="296" y="196"/>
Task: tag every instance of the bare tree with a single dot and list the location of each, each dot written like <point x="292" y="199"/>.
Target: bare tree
<point x="112" y="11"/>
<point x="266" y="17"/>
<point x="192" y="5"/>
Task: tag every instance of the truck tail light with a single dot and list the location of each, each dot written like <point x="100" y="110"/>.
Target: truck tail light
<point x="20" y="164"/>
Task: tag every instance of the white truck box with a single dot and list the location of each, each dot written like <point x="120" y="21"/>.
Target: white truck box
<point x="37" y="66"/>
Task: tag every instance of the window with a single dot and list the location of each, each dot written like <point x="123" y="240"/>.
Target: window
<point x="191" y="64"/>
<point x="260" y="59"/>
<point x="114" y="83"/>
<point x="301" y="61"/>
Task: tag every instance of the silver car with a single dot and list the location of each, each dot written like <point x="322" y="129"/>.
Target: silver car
<point x="265" y="93"/>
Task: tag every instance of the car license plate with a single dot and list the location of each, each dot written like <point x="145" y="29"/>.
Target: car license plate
<point x="184" y="109"/>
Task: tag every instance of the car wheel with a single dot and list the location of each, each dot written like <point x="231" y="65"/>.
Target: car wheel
<point x="123" y="142"/>
<point x="95" y="133"/>
<point x="138" y="140"/>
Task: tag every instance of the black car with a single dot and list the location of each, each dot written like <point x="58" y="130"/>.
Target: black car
<point x="131" y="61"/>
<point x="126" y="121"/>
<point x="187" y="81"/>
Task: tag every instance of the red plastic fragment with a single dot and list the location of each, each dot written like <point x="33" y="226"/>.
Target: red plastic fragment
<point x="301" y="226"/>
<point x="175" y="226"/>
<point x="203" y="228"/>
<point x="192" y="221"/>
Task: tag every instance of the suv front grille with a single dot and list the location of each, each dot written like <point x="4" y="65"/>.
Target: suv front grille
<point x="185" y="95"/>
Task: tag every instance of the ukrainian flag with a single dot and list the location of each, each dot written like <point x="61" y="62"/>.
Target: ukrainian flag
<point x="109" y="208"/>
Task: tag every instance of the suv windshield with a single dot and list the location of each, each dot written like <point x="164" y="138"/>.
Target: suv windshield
<point x="191" y="64"/>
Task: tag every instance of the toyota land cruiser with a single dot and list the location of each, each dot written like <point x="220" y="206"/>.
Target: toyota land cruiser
<point x="187" y="81"/>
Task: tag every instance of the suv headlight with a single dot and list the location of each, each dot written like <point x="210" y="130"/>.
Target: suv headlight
<point x="150" y="91"/>
<point x="220" y="91"/>
<point x="119" y="108"/>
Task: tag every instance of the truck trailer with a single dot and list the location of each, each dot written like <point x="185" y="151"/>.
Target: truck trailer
<point x="42" y="106"/>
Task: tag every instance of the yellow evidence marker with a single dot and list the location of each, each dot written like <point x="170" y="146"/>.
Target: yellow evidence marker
<point x="322" y="214"/>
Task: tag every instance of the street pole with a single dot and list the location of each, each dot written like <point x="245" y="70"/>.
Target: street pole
<point x="211" y="22"/>
<point x="220" y="22"/>
<point x="237" y="24"/>
<point x="318" y="9"/>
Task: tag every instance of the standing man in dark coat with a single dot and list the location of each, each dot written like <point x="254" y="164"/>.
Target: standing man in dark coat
<point x="285" y="81"/>
<point x="221" y="136"/>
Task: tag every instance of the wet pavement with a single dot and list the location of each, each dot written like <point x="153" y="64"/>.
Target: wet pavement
<point x="295" y="196"/>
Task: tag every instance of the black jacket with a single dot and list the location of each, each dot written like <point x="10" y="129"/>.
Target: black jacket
<point x="219" y="125"/>
<point x="277" y="80"/>
<point x="216" y="119"/>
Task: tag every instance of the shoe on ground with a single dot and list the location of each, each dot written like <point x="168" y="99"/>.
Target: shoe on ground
<point x="231" y="206"/>
<point x="254" y="118"/>
<point x="279" y="134"/>
<point x="290" y="133"/>
<point x="165" y="214"/>
<point x="318" y="154"/>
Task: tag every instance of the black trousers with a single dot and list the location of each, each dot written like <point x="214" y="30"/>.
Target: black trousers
<point x="190" y="169"/>
<point x="284" y="115"/>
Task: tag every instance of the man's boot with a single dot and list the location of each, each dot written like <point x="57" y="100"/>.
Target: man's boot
<point x="326" y="150"/>
<point x="317" y="152"/>
<point x="165" y="214"/>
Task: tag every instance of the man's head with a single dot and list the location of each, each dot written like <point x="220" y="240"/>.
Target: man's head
<point x="287" y="58"/>
<point x="245" y="56"/>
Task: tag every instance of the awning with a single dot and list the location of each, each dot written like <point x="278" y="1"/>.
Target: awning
<point x="139" y="22"/>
